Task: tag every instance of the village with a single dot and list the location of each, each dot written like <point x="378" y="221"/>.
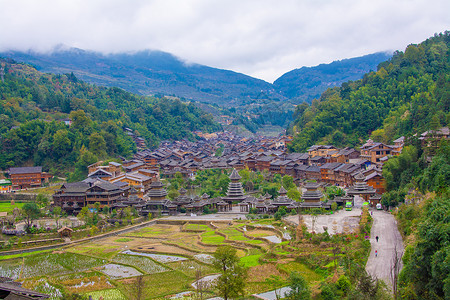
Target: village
<point x="138" y="183"/>
<point x="129" y="198"/>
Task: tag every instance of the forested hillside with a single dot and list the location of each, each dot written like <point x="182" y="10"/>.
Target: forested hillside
<point x="152" y="72"/>
<point x="421" y="178"/>
<point x="401" y="98"/>
<point x="33" y="106"/>
<point x="308" y="83"/>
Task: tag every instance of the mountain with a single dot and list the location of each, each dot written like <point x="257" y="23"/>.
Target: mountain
<point x="155" y="72"/>
<point x="151" y="73"/>
<point x="308" y="83"/>
<point x="408" y="94"/>
<point x="35" y="108"/>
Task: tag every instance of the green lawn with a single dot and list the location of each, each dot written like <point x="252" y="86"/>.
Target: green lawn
<point x="123" y="240"/>
<point x="306" y="272"/>
<point x="7" y="207"/>
<point x="250" y="261"/>
<point x="210" y="237"/>
<point x="234" y="235"/>
<point x="23" y="254"/>
<point x="199" y="227"/>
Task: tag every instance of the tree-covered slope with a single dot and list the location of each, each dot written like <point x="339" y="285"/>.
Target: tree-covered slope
<point x="150" y="73"/>
<point x="424" y="221"/>
<point x="33" y="105"/>
<point x="401" y="98"/>
<point x="308" y="83"/>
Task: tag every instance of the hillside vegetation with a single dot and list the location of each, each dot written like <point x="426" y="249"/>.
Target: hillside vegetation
<point x="400" y="98"/>
<point x="33" y="105"/>
<point x="424" y="220"/>
<point x="152" y="72"/>
<point x="308" y="83"/>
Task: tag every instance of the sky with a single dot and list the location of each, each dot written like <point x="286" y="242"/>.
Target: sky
<point x="260" y="38"/>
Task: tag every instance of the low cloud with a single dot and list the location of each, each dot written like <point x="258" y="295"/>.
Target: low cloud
<point x="260" y="38"/>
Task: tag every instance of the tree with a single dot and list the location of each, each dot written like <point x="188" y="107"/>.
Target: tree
<point x="61" y="143"/>
<point x="288" y="182"/>
<point x="79" y="119"/>
<point x="97" y="144"/>
<point x="200" y="285"/>
<point x="395" y="270"/>
<point x="231" y="282"/>
<point x="57" y="215"/>
<point x="31" y="212"/>
<point x="137" y="288"/>
<point x="333" y="192"/>
<point x="299" y="288"/>
<point x="42" y="201"/>
<point x="294" y="194"/>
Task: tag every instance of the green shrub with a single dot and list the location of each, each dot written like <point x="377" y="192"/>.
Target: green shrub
<point x="327" y="292"/>
<point x="343" y="284"/>
<point x="277" y="216"/>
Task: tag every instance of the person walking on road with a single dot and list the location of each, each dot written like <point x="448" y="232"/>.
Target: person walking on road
<point x="376" y="238"/>
<point x="376" y="253"/>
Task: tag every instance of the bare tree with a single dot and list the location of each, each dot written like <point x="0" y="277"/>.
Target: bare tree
<point x="299" y="231"/>
<point x="200" y="284"/>
<point x="396" y="267"/>
<point x="314" y="217"/>
<point x="138" y="287"/>
<point x="336" y="251"/>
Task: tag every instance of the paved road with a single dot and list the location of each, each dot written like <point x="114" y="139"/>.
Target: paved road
<point x="385" y="227"/>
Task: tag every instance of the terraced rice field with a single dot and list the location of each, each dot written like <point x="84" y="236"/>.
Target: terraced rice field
<point x="107" y="294"/>
<point x="145" y="264"/>
<point x="167" y="257"/>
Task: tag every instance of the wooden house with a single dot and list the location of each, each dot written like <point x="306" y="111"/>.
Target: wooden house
<point x="27" y="177"/>
<point x="373" y="152"/>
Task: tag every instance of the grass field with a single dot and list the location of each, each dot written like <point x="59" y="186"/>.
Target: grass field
<point x="306" y="272"/>
<point x="197" y="227"/>
<point x="210" y="237"/>
<point x="7" y="207"/>
<point x="250" y="260"/>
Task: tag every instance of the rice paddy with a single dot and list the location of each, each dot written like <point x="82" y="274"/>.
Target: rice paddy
<point x="167" y="258"/>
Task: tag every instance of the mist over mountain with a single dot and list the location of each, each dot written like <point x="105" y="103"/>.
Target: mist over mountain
<point x="151" y="72"/>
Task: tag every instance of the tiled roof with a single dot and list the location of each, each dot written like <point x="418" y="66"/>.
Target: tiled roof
<point x="25" y="170"/>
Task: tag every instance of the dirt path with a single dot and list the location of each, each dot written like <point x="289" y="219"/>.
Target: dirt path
<point x="385" y="227"/>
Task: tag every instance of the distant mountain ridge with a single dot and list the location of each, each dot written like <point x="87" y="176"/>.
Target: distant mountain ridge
<point x="307" y="83"/>
<point x="155" y="72"/>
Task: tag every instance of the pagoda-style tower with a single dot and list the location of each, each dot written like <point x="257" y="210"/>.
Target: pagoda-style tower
<point x="182" y="200"/>
<point x="311" y="197"/>
<point x="235" y="191"/>
<point x="360" y="188"/>
<point x="156" y="198"/>
<point x="283" y="200"/>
